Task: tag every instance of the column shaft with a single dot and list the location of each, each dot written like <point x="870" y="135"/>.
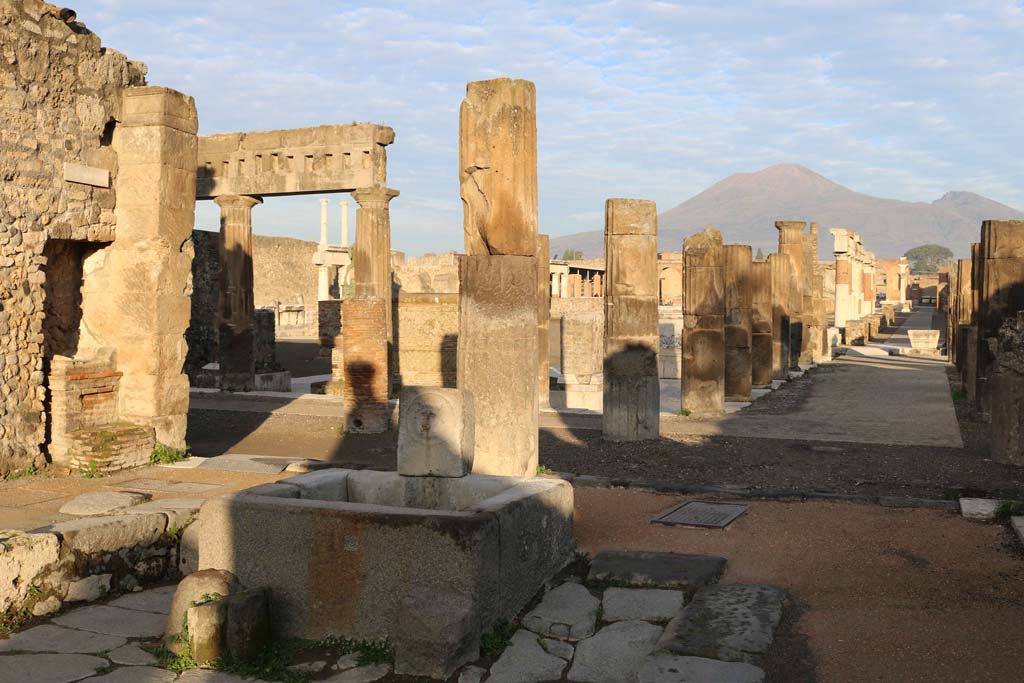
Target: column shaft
<point x="703" y="361"/>
<point x="237" y="361"/>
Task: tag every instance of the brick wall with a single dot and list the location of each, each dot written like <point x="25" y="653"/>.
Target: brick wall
<point x="365" y="344"/>
<point x="426" y="329"/>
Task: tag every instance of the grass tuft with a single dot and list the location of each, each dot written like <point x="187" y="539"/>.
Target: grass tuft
<point x="492" y="644"/>
<point x="1010" y="508"/>
<point x="166" y="455"/>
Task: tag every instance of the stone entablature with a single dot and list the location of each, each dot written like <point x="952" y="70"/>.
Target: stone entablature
<point x="336" y="158"/>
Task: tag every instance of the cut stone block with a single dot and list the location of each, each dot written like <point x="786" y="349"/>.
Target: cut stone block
<point x="923" y="339"/>
<point x="662" y="668"/>
<point x="156" y="600"/>
<point x="88" y="589"/>
<point x="558" y="648"/>
<point x="979" y="508"/>
<point x="436" y="634"/>
<point x="615" y="653"/>
<point x="208" y="676"/>
<point x="329" y="484"/>
<point x="649" y="604"/>
<point x="51" y="638"/>
<point x="49" y="668"/>
<point x="568" y="611"/>
<point x="657" y="570"/>
<point x="524" y="660"/>
<point x="93" y="535"/>
<point x="236" y="626"/>
<point x="192" y="589"/>
<point x="131" y="655"/>
<point x="22" y="558"/>
<point x="237" y="462"/>
<point x="179" y="511"/>
<point x="135" y="674"/>
<point x="734" y="623"/>
<point x="362" y="674"/>
<point x="102" y="503"/>
<point x="113" y="621"/>
<point x="472" y="674"/>
<point x="435" y="432"/>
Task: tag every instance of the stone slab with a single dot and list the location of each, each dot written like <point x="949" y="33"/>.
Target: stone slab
<point x="90" y="535"/>
<point x="101" y="503"/>
<point x="656" y="570"/>
<point x="662" y="668"/>
<point x="155" y="600"/>
<point x="237" y="462"/>
<point x="135" y="674"/>
<point x="131" y="655"/>
<point x="88" y="589"/>
<point x="979" y="508"/>
<point x="615" y="653"/>
<point x="86" y="175"/>
<point x="435" y="432"/>
<point x="362" y="674"/>
<point x="114" y="621"/>
<point x="734" y="623"/>
<point x="525" y="661"/>
<point x="51" y="638"/>
<point x="648" y="604"/>
<point x="208" y="676"/>
<point x="472" y="674"/>
<point x="179" y="511"/>
<point x="49" y="668"/>
<point x="171" y="486"/>
<point x="558" y="648"/>
<point x="568" y="611"/>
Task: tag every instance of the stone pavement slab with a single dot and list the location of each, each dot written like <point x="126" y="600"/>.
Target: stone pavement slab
<point x="734" y="623"/>
<point x="114" y="621"/>
<point x="48" y="668"/>
<point x="156" y="600"/>
<point x="207" y="676"/>
<point x="662" y="668"/>
<point x="648" y="604"/>
<point x="101" y="503"/>
<point x="131" y="655"/>
<point x="362" y="674"/>
<point x="179" y="511"/>
<point x="979" y="508"/>
<point x="656" y="570"/>
<point x="615" y="653"/>
<point x="567" y="611"/>
<point x="169" y="485"/>
<point x="236" y="462"/>
<point x="135" y="674"/>
<point x="525" y="661"/>
<point x="51" y="638"/>
<point x="558" y="648"/>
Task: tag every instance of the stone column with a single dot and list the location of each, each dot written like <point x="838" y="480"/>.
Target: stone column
<point x="844" y="274"/>
<point x="761" y="348"/>
<point x="904" y="274"/>
<point x="811" y="329"/>
<point x="970" y="370"/>
<point x="237" y="363"/>
<point x="323" y="280"/>
<point x="1000" y="295"/>
<point x="632" y="394"/>
<point x="563" y="286"/>
<point x="781" y="268"/>
<point x="703" y="365"/>
<point x="738" y="322"/>
<point x="372" y="258"/>
<point x="791" y="243"/>
<point x="497" y="352"/>
<point x="962" y="313"/>
<point x="543" y="320"/>
<point x="344" y="224"/>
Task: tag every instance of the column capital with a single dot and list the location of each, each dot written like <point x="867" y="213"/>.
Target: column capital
<point x="324" y="201"/>
<point x="376" y="197"/>
<point x="234" y="201"/>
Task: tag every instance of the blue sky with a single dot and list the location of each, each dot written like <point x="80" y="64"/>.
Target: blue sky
<point x="635" y="99"/>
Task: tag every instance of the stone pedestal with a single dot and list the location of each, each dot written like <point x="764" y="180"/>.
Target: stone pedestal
<point x="781" y="269"/>
<point x="371" y="258"/>
<point x="856" y="332"/>
<point x="237" y="363"/>
<point x="543" y="257"/>
<point x="497" y="360"/>
<point x="1007" y="417"/>
<point x="738" y="322"/>
<point x="704" y="324"/>
<point x="365" y="344"/>
<point x="583" y="360"/>
<point x="632" y="396"/>
<point x="761" y="347"/>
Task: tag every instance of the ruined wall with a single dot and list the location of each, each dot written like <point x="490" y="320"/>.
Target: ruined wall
<point x="59" y="94"/>
<point x="202" y="335"/>
<point x="283" y="271"/>
<point x="426" y="336"/>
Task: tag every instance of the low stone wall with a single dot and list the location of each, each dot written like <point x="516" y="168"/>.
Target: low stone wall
<point x="85" y="558"/>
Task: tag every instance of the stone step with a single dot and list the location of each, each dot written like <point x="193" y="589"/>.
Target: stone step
<point x="678" y="571"/>
<point x="732" y="623"/>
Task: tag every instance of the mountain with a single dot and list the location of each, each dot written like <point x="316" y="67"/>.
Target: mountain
<point x="745" y="207"/>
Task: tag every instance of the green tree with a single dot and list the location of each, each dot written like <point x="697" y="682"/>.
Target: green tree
<point x="927" y="258"/>
<point x="760" y="254"/>
<point x="572" y="255"/>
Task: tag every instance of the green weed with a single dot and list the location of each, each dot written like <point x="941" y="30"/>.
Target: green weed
<point x="167" y="455"/>
<point x="92" y="471"/>
<point x="494" y="643"/>
<point x="1010" y="508"/>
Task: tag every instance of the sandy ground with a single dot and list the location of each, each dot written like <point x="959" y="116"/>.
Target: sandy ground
<point x="879" y="594"/>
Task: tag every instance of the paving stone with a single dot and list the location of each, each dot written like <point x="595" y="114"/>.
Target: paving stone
<point x="734" y="623"/>
<point x="170" y="486"/>
<point x="156" y="600"/>
<point x="207" y="676"/>
<point x="88" y="589"/>
<point x="525" y="661"/>
<point x="135" y="674"/>
<point x="48" y="668"/>
<point x="558" y="648"/>
<point x="308" y="667"/>
<point x="101" y="503"/>
<point x="361" y="674"/>
<point x="472" y="674"/>
<point x="179" y="511"/>
<point x="979" y="508"/>
<point x="51" y="638"/>
<point x="346" y="662"/>
<point x="663" y="668"/>
<point x="236" y="462"/>
<point x="90" y="535"/>
<point x="648" y="604"/>
<point x="48" y="606"/>
<point x="568" y="611"/>
<point x="131" y="655"/>
<point x="615" y="653"/>
<point x="656" y="570"/>
<point x="114" y="621"/>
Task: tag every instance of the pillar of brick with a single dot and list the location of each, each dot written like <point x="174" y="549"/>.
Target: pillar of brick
<point x="365" y="343"/>
<point x="632" y="396"/>
<point x="371" y="257"/>
<point x="235" y="326"/>
<point x="738" y="322"/>
<point x="498" y="321"/>
<point x="761" y="319"/>
<point x="703" y="365"/>
<point x="781" y="269"/>
<point x="1001" y="295"/>
<point x="543" y="320"/>
<point x="791" y="243"/>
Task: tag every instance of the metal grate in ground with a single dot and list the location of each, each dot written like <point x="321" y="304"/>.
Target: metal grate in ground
<point x="703" y="514"/>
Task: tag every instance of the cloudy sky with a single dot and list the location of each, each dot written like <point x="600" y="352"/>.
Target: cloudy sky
<point x="635" y="99"/>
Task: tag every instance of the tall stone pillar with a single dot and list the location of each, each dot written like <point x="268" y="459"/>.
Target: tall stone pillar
<point x="543" y="320"/>
<point x="144" y="308"/>
<point x="843" y="250"/>
<point x="1001" y="295"/>
<point x="761" y="349"/>
<point x="372" y="258"/>
<point x="703" y="364"/>
<point x="812" y="328"/>
<point x="738" y="322"/>
<point x="963" y="311"/>
<point x="781" y="269"/>
<point x="970" y="370"/>
<point x="497" y="353"/>
<point x="632" y="395"/>
<point x="904" y="278"/>
<point x="323" y="274"/>
<point x="344" y="224"/>
<point x="237" y="361"/>
<point x="791" y="243"/>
